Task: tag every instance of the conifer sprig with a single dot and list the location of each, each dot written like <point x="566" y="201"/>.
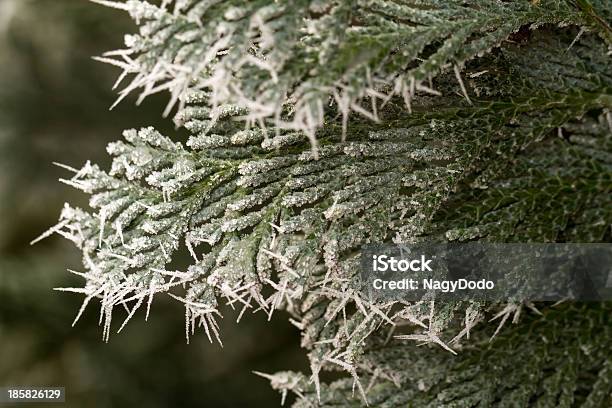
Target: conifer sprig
<point x="287" y="60"/>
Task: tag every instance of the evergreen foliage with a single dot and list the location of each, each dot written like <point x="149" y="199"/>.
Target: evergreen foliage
<point x="460" y="139"/>
<point x="559" y="360"/>
<point x="273" y="56"/>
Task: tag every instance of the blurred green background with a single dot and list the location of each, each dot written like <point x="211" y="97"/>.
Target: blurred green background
<point x="54" y="103"/>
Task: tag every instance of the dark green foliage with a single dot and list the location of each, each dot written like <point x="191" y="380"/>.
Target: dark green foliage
<point x="562" y="359"/>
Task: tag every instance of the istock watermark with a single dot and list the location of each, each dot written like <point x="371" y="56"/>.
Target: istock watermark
<point x="487" y="271"/>
<point x="383" y="263"/>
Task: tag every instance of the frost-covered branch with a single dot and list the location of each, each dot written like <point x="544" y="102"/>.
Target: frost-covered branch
<point x="286" y="60"/>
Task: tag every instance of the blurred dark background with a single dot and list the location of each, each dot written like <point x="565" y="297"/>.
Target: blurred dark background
<point x="54" y="103"/>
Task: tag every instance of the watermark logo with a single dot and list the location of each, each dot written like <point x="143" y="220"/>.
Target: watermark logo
<point x="487" y="271"/>
<point x="383" y="263"/>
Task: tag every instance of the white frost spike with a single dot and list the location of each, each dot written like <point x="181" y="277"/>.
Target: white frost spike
<point x="235" y="294"/>
<point x="107" y="306"/>
<point x="102" y="221"/>
<point x="85" y="303"/>
<point x="66" y="167"/>
<point x="407" y="314"/>
<point x="191" y="251"/>
<point x="461" y="84"/>
<point x="471" y="320"/>
<point x="582" y="31"/>
<point x="428" y="90"/>
<point x="351" y="370"/>
<point x="150" y="300"/>
<point x="87" y="276"/>
<point x="131" y="314"/>
<point x="509" y="309"/>
<point x="274" y="301"/>
<point x="161" y="246"/>
<point x="195" y="310"/>
<point x="119" y="232"/>
<point x="284" y="262"/>
<point x="316" y="368"/>
<point x="50" y="231"/>
<point x="373" y="379"/>
<point x="127" y="67"/>
<point x="426" y="337"/>
<point x="284" y="383"/>
<point x="429" y="336"/>
<point x="477" y="74"/>
<point x="79" y="185"/>
<point x="74" y="290"/>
